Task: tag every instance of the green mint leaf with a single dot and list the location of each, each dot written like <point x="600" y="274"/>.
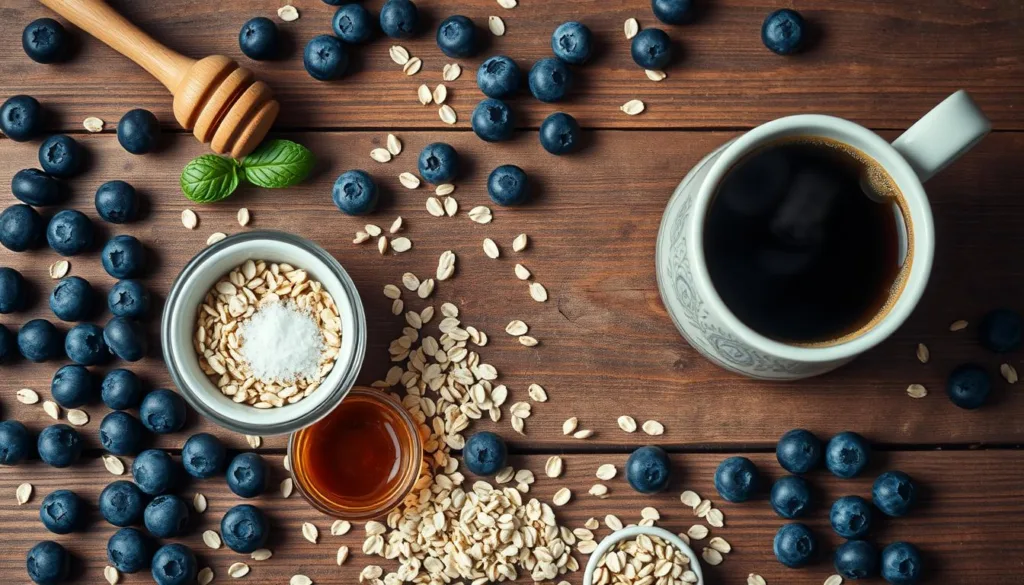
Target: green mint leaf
<point x="209" y="178"/>
<point x="278" y="163"/>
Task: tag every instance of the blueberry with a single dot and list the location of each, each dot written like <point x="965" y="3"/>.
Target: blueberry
<point x="560" y="133"/>
<point x="69" y="232"/>
<point x="648" y="469"/>
<point x="247" y="475"/>
<point x="121" y="389"/>
<point x="847" y="454"/>
<point x="783" y="31"/>
<point x="138" y="131"/>
<point x="21" y="228"/>
<point x="493" y="120"/>
<point x="856" y="559"/>
<point x="163" y="411"/>
<point x="61" y="156"/>
<point x="485" y="453"/>
<point x="45" y="41"/>
<point x="736" y="479"/>
<point x="174" y="564"/>
<point x="166" y="516"/>
<point x="571" y="42"/>
<point x="48" y="563"/>
<point x="258" y="39"/>
<point x="968" y="386"/>
<point x="798" y="451"/>
<point x="125" y="339"/>
<point x="73" y="299"/>
<point x="457" y="37"/>
<point x="15" y="442"/>
<point x="549" y="80"/>
<point x="8" y="345"/>
<point x="851" y="517"/>
<point x="325" y="58"/>
<point x="244" y="528"/>
<point x="128" y="298"/>
<point x="39" y="341"/>
<point x="507" y="185"/>
<point x="59" y="445"/>
<point x="894" y="493"/>
<point x="84" y="345"/>
<point x="129" y="550"/>
<point x="790" y="497"/>
<point x="1001" y="331"/>
<point x="398" y="18"/>
<point x="21" y="118"/>
<point x="353" y="23"/>
<point x="13" y="290"/>
<point x="62" y="512"/>
<point x="117" y="202"/>
<point x="438" y="163"/>
<point x="37" y="188"/>
<point x="673" y="11"/>
<point x="122" y="503"/>
<point x="73" y="386"/>
<point x="355" y="193"/>
<point x="498" y="77"/>
<point x="901" y="564"/>
<point x="651" y="48"/>
<point x="123" y="256"/>
<point x="794" y="545"/>
<point x="154" y="472"/>
<point x="122" y="433"/>
<point x="203" y="455"/>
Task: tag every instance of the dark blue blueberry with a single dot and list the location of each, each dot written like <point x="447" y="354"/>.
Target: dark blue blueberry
<point x="325" y="58"/>
<point x="244" y="528"/>
<point x="399" y="18"/>
<point x="507" y="185"/>
<point x="138" y="131"/>
<point x="353" y="23"/>
<point x="37" y="188"/>
<point x="69" y="232"/>
<point x="125" y="339"/>
<point x="21" y="118"/>
<point x="73" y="386"/>
<point x="783" y="31"/>
<point x="21" y="228"/>
<point x="62" y="512"/>
<point x="121" y="389"/>
<point x="968" y="386"/>
<point x="59" y="445"/>
<point x="493" y="120"/>
<point x="122" y="433"/>
<point x="457" y="37"/>
<point x="117" y="202"/>
<point x="648" y="469"/>
<point x="84" y="345"/>
<point x="673" y="11"/>
<point x="847" y="454"/>
<point x="1001" y="331"/>
<point x="45" y="41"/>
<point x="123" y="257"/>
<point x="856" y="559"/>
<point x="61" y="156"/>
<point x="247" y="475"/>
<point x="549" y="80"/>
<point x="128" y="298"/>
<point x="851" y="517"/>
<point x="122" y="503"/>
<point x="794" y="545"/>
<point x="485" y="453"/>
<point x="15" y="442"/>
<point x="651" y="48"/>
<point x="13" y="290"/>
<point x="258" y="39"/>
<point x="790" y="497"/>
<point x="901" y="564"/>
<point x="571" y="42"/>
<point x="203" y="455"/>
<point x="174" y="564"/>
<point x="355" y="193"/>
<point x="48" y="563"/>
<point x="438" y="163"/>
<point x="39" y="341"/>
<point x="129" y="550"/>
<point x="166" y="516"/>
<point x="163" y="411"/>
<point x="498" y="77"/>
<point x="154" y="472"/>
<point x="73" y="299"/>
<point x="8" y="345"/>
<point x="560" y="133"/>
<point x="798" y="451"/>
<point x="737" y="479"/>
<point x="894" y="493"/>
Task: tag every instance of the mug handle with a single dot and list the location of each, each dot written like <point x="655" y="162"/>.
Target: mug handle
<point x="945" y="133"/>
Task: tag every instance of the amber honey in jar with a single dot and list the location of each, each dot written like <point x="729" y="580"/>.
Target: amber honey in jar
<point x="361" y="460"/>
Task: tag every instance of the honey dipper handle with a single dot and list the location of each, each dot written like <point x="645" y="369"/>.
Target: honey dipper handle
<point x="103" y="22"/>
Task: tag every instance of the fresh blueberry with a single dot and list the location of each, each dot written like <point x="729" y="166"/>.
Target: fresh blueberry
<point x="123" y="256"/>
<point x="847" y="454"/>
<point x="73" y="386"/>
<point x="37" y="188"/>
<point x="84" y="345"/>
<point x="166" y="516"/>
<point x="122" y="503"/>
<point x="549" y="80"/>
<point x="15" y="442"/>
<point x="790" y="497"/>
<point x="325" y="58"/>
<point x="247" y="475"/>
<point x="485" y="453"/>
<point x="498" y="77"/>
<point x="673" y="11"/>
<point x="901" y="564"/>
<point x="894" y="493"/>
<point x="648" y="469"/>
<point x="560" y="133"/>
<point x="39" y="341"/>
<point x="353" y="24"/>
<point x="45" y="40"/>
<point x="798" y="451"/>
<point x="13" y="290"/>
<point x="1001" y="330"/>
<point x="244" y="528"/>
<point x="163" y="411"/>
<point x="73" y="299"/>
<point x="174" y="564"/>
<point x="62" y="512"/>
<point x="856" y="559"/>
<point x="783" y="31"/>
<point x="128" y="298"/>
<point x="457" y="37"/>
<point x="851" y="517"/>
<point x="21" y="228"/>
<point x="571" y="42"/>
<point x="125" y="339"/>
<point x="129" y="550"/>
<point x="121" y="389"/>
<point x="493" y="120"/>
<point x="122" y="433"/>
<point x="61" y="156"/>
<point x="399" y="18"/>
<point x="69" y="232"/>
<point x="794" y="545"/>
<point x="507" y="185"/>
<point x="968" y="386"/>
<point x="258" y="39"/>
<point x="154" y="472"/>
<point x="737" y="479"/>
<point x="138" y="131"/>
<point x="117" y="202"/>
<point x="59" y="445"/>
<point x="651" y="48"/>
<point x="8" y="345"/>
<point x="355" y="193"/>
<point x="203" y="455"/>
<point x="48" y="563"/>
<point x="438" y="163"/>
<point x="21" y="118"/>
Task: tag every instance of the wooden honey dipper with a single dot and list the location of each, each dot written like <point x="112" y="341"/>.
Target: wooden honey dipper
<point x="220" y="102"/>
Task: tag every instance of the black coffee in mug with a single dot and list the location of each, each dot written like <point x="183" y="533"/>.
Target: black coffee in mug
<point x="796" y="247"/>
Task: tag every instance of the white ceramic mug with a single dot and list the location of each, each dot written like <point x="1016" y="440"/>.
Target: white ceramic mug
<point x="936" y="140"/>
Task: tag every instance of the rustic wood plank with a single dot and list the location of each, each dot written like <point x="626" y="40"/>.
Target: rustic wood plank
<point x="882" y="63"/>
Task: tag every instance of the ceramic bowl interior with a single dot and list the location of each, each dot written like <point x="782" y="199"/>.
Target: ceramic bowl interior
<point x="632" y="532"/>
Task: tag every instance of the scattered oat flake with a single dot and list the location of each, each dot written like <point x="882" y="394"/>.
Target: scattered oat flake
<point x="382" y="244"/>
<point x="755" y="579"/>
<point x="211" y="539"/>
<point x="27" y="396"/>
<point x="447" y="114"/>
<point x="522" y="272"/>
<point x="516" y="327"/>
<point x="205" y="576"/>
<point x="399" y="54"/>
<point x="451" y="71"/>
<point x="480" y="214"/>
<point x="254" y="441"/>
<point x="553" y="466"/>
<point x="51" y="409"/>
<point x="394" y="145"/>
<point x="598" y="489"/>
<point x="632" y="107"/>
<point x="1009" y="373"/>
<point x="583" y="434"/>
<point x="111" y="575"/>
<point x="715" y="518"/>
<point x="23" y="493"/>
<point x="238" y="570"/>
<point x="199" y="503"/>
<point x="93" y="124"/>
<point x="444" y="189"/>
<point x="423" y="94"/>
<point x="538" y="292"/>
<point x="958" y="325"/>
<point x="340" y="527"/>
<point x="380" y="155"/>
<point x="507" y="4"/>
<point x="561" y="497"/>
<point x="690" y="499"/>
<point x="491" y="249"/>
<point x="712" y="556"/>
<point x="653" y="428"/>
<point x="261" y="554"/>
<point x="413" y="66"/>
<point x="288" y="13"/>
<point x="301" y="579"/>
<point x="409" y="180"/>
<point x="434" y="207"/>
<point x="440" y="94"/>
<point x="451" y="206"/>
<point x="720" y="544"/>
<point x="392" y="292"/>
<point x="631" y="28"/>
<point x="113" y="464"/>
<point x="286" y="487"/>
<point x="342" y="555"/>
<point x="917" y="391"/>
<point x="612" y="522"/>
<point x="309" y="532"/>
<point x="519" y="244"/>
<point x="401" y="244"/>
<point x="59" y="269"/>
<point x="606" y="471"/>
<point x="361" y="237"/>
<point x="528" y="341"/>
<point x="496" y="25"/>
<point x="215" y="237"/>
<point x="832" y="580"/>
<point x="537" y="393"/>
<point x="655" y="75"/>
<point x="570" y="425"/>
<point x="189" y="219"/>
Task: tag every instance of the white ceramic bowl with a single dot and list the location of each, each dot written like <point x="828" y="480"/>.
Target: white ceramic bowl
<point x="179" y="321"/>
<point x="632" y="532"/>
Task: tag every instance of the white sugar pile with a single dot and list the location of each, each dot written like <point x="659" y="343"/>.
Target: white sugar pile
<point x="282" y="343"/>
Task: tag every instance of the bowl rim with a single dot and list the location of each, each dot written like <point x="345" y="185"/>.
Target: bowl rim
<point x="632" y="532"/>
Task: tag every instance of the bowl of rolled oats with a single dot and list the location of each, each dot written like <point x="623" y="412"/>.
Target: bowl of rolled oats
<point x="634" y="553"/>
<point x="264" y="332"/>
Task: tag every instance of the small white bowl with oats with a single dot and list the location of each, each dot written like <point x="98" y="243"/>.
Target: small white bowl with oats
<point x="303" y="352"/>
<point x="646" y="538"/>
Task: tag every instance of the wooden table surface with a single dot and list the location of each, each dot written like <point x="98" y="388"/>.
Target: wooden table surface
<point x="607" y="346"/>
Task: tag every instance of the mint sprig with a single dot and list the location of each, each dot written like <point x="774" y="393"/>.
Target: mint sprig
<point x="274" y="164"/>
<point x="209" y="178"/>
